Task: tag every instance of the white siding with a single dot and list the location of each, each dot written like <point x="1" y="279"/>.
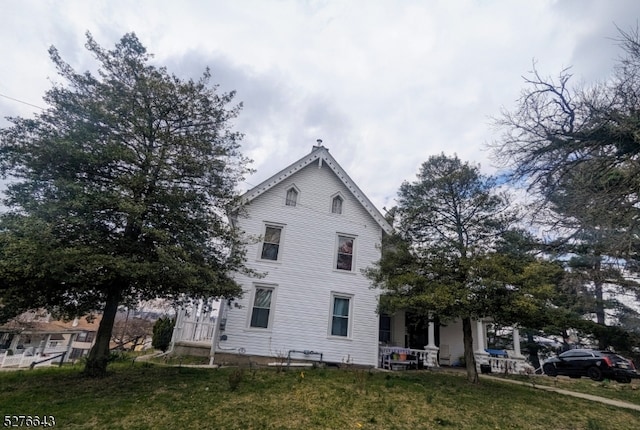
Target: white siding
<point x="398" y="329"/>
<point x="451" y="334"/>
<point x="304" y="275"/>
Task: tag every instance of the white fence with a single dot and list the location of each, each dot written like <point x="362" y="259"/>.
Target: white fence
<point x="195" y="330"/>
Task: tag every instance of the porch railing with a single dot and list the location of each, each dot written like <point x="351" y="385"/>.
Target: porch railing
<point x="196" y="331"/>
<point x="393" y="354"/>
<point x="24" y="360"/>
<point x="505" y="365"/>
<point x="423" y="357"/>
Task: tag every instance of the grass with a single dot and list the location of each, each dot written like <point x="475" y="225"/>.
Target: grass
<point x="150" y="396"/>
<point x="179" y="360"/>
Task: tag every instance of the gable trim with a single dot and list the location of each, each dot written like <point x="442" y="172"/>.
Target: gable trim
<point x="320" y="154"/>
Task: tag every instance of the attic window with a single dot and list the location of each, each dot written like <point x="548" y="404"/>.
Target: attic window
<point x="292" y="197"/>
<point x="336" y="205"/>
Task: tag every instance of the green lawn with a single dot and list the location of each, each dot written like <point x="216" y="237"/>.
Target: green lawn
<point x="150" y="396"/>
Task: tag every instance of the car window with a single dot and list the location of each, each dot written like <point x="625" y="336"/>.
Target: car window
<point x="576" y="353"/>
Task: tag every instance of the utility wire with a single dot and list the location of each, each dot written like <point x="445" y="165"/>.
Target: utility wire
<point x="20" y="101"/>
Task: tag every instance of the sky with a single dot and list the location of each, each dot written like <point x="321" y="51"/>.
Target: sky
<point x="384" y="84"/>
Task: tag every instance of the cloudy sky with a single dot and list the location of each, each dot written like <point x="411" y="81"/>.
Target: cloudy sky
<point x="385" y="84"/>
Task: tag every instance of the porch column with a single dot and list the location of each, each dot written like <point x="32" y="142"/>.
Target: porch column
<point x="432" y="332"/>
<point x="72" y="337"/>
<point x="481" y="341"/>
<point x="216" y="332"/>
<point x="431" y="359"/>
<point x="516" y="342"/>
<point x="44" y="345"/>
<point x="518" y="365"/>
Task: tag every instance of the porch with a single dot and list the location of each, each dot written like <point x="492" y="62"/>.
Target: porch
<point x="397" y="358"/>
<point x="411" y="344"/>
<point x="27" y="358"/>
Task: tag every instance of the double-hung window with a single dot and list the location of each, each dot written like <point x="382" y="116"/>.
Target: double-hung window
<point x="271" y="243"/>
<point x="340" y="313"/>
<point x="261" y="309"/>
<point x="344" y="255"/>
<point x="85" y="336"/>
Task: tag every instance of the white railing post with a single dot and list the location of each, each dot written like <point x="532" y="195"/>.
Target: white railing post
<point x="431" y="356"/>
<point x="516" y="343"/>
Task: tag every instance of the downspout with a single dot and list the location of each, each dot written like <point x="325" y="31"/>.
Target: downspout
<point x="216" y="332"/>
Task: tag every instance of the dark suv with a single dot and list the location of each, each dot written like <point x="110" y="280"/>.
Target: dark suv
<point x="597" y="365"/>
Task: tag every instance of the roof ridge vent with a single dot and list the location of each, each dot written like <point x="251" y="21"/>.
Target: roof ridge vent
<point x="318" y="145"/>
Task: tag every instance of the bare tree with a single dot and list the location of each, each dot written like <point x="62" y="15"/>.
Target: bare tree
<point x="577" y="149"/>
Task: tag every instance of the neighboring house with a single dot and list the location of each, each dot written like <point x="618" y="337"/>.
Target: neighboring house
<point x="37" y="337"/>
<point x="315" y="232"/>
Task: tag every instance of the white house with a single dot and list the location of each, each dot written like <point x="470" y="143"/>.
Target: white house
<point x="317" y="230"/>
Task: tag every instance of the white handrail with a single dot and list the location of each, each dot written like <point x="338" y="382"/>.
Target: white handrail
<point x="421" y="355"/>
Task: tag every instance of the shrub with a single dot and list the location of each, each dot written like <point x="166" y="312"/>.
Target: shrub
<point x="162" y="332"/>
<point x="235" y="378"/>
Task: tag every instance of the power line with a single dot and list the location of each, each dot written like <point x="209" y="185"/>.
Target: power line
<point x="20" y="101"/>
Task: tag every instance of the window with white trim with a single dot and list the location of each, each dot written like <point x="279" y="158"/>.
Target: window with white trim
<point x="271" y="242"/>
<point x="344" y="254"/>
<point x="340" y="314"/>
<point x="261" y="308"/>
<point x="86" y="336"/>
<point x="292" y="197"/>
<point x="336" y="205"/>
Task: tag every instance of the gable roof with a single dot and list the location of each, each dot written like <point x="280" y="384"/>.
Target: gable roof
<point x="321" y="155"/>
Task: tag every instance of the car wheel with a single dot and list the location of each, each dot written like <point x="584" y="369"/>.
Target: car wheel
<point x="550" y="370"/>
<point x="594" y="373"/>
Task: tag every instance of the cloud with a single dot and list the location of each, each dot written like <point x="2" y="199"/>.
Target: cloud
<point x="385" y="84"/>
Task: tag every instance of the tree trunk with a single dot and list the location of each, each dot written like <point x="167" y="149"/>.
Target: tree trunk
<point x="532" y="349"/>
<point x="600" y="313"/>
<point x="469" y="357"/>
<point x="99" y="355"/>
